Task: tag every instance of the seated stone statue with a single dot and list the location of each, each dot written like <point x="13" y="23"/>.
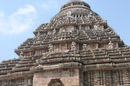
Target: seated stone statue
<point x="110" y="45"/>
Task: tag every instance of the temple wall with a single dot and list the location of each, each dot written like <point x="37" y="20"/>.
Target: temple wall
<point x="18" y="82"/>
<point x="107" y="78"/>
<point x="67" y="77"/>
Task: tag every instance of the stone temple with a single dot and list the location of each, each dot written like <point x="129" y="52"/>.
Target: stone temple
<point x="76" y="48"/>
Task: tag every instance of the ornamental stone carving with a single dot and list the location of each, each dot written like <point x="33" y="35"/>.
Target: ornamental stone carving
<point x="69" y="13"/>
<point x="80" y="27"/>
<point x="91" y="17"/>
<point x="54" y="31"/>
<point x="110" y="45"/>
<point x="50" y="47"/>
<point x="44" y="55"/>
<point x="73" y="46"/>
<point x="38" y="35"/>
<point x="21" y="54"/>
<point x="85" y="47"/>
<point x="96" y="26"/>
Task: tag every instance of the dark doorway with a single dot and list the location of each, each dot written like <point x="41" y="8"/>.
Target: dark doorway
<point x="55" y="82"/>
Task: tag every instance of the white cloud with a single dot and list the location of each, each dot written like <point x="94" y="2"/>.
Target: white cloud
<point x="19" y="21"/>
<point x="50" y="4"/>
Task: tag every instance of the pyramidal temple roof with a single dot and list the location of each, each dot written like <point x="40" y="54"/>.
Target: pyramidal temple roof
<point x="75" y="37"/>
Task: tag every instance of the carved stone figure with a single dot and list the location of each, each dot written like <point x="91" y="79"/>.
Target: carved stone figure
<point x="85" y="47"/>
<point x="44" y="55"/>
<point x="50" y="47"/>
<point x="37" y="61"/>
<point x="69" y="13"/>
<point x="38" y="35"/>
<point x="96" y="26"/>
<point x="80" y="27"/>
<point x="110" y="45"/>
<point x="91" y="17"/>
<point x="90" y="14"/>
<point x="54" y="31"/>
<point x="102" y="27"/>
<point x="21" y="54"/>
<point x="73" y="46"/>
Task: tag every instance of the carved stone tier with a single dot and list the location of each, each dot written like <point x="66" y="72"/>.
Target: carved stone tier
<point x="60" y="66"/>
<point x="76" y="48"/>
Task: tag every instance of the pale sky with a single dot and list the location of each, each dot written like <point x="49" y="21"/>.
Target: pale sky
<point x="19" y="18"/>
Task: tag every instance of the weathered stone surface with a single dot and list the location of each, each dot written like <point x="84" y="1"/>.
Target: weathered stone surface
<point x="68" y="77"/>
<point x="76" y="48"/>
<point x="107" y="78"/>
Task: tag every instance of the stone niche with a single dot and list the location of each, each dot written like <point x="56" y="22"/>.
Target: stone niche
<point x="70" y="28"/>
<point x="68" y="77"/>
<point x="67" y="29"/>
<point x="62" y="47"/>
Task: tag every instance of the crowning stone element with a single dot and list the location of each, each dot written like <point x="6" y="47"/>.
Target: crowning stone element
<point x="76" y="48"/>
